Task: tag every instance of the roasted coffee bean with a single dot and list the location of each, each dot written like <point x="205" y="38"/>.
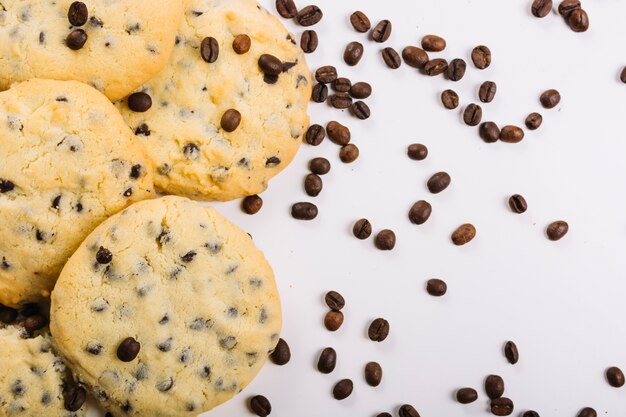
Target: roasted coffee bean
<point x="8" y="315"/>
<point x="333" y="320"/>
<point x="260" y="405"/>
<point x="517" y="203"/>
<point x="378" y="330"/>
<point x="77" y="14"/>
<point x="489" y="132"/>
<point x="578" y="20"/>
<point x="353" y="53"/>
<point x="587" y="412"/>
<point x="615" y="376"/>
<point x="530" y="413"/>
<point x="210" y="50"/>
<point x="304" y="211"/>
<point x="334" y="300"/>
<point x="343" y="389"/>
<point x="349" y="153"/>
<point x="338" y="133"/>
<point x="408" y="410"/>
<point x="315" y="135"/>
<point x="35" y="322"/>
<point x="472" y="115"/>
<point x="381" y="31"/>
<point x="313" y="185"/>
<point x="438" y="182"/>
<point x="342" y="85"/>
<point x="511" y="134"/>
<point x="450" y="99"/>
<point x="456" y="69"/>
<point x="373" y="374"/>
<point x="320" y="93"/>
<point x="487" y="91"/>
<point x="541" y="8"/>
<point x="385" y="240"/>
<point x="319" y="166"/>
<point x="417" y="152"/>
<point x="269" y="64"/>
<point x="466" y="395"/>
<point x="252" y="204"/>
<point x="502" y="407"/>
<point x="361" y="90"/>
<point x="309" y="16"/>
<point x="128" y="350"/>
<point x="384" y="415"/>
<point x="494" y="386"/>
<point x="420" y="212"/>
<point x="286" y="8"/>
<point x="74" y="396"/>
<point x="464" y="234"/>
<point x="341" y="100"/>
<point x="433" y="43"/>
<point x="622" y="75"/>
<point x="557" y="230"/>
<point x="230" y="120"/>
<point x="435" y="67"/>
<point x="327" y="361"/>
<point x="326" y="74"/>
<point x="309" y="41"/>
<point x="76" y="39"/>
<point x="242" y="44"/>
<point x="550" y="99"/>
<point x="360" y="22"/>
<point x="139" y="102"/>
<point x="436" y="287"/>
<point x="533" y="121"/>
<point x="568" y="6"/>
<point x="481" y="57"/>
<point x="511" y="353"/>
<point x="362" y="229"/>
<point x="415" y="57"/>
<point x="30" y="310"/>
<point x="391" y="58"/>
<point x="281" y="354"/>
<point x="360" y="110"/>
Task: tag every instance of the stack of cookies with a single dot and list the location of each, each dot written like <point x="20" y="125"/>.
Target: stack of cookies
<point x="159" y="306"/>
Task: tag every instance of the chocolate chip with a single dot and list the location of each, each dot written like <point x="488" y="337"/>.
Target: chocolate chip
<point x="494" y="386"/>
<point x="230" y="120"/>
<point x="287" y="9"/>
<point x="464" y="234"/>
<point x="104" y="256"/>
<point x="534" y="121"/>
<point x="511" y="353"/>
<point x="282" y="354"/>
<point x="327" y="361"/>
<point x="56" y="202"/>
<point x="76" y="39"/>
<point x="139" y="102"/>
<point x="436" y="287"/>
<point x="166" y="345"/>
<point x="143" y="130"/>
<point x="209" y="49"/>
<point x="289" y="65"/>
<point x="189" y="256"/>
<point x="502" y="407"/>
<point x="349" y="153"/>
<point x="450" y="99"/>
<point x="6" y="186"/>
<point x="309" y="41"/>
<point x="309" y="16"/>
<point x="258" y="404"/>
<point x="77" y="14"/>
<point x="128" y="192"/>
<point x="518" y="204"/>
<point x="334" y="300"/>
<point x="360" y="22"/>
<point x="361" y="90"/>
<point x="314" y="135"/>
<point x="420" y="212"/>
<point x="333" y="320"/>
<point x="94" y="348"/>
<point x="343" y="389"/>
<point x="385" y="240"/>
<point x="360" y="110"/>
<point x="252" y="204"/>
<point x="511" y="134"/>
<point x="319" y="93"/>
<point x="338" y="133"/>
<point x="74" y="397"/>
<point x="272" y="161"/>
<point x="417" y="152"/>
<point x="391" y="58"/>
<point x="319" y="166"/>
<point x="489" y="132"/>
<point x="128" y="350"/>
<point x="18" y="389"/>
<point x="481" y="57"/>
<point x="439" y="182"/>
<point x="165" y="385"/>
<point x="313" y="185"/>
<point x="466" y="395"/>
<point x="378" y="330"/>
<point x="35" y="322"/>
<point x="557" y="230"/>
<point x="241" y="44"/>
<point x="381" y="31"/>
<point x="270" y="79"/>
<point x="408" y="410"/>
<point x="373" y="374"/>
<point x="362" y="229"/>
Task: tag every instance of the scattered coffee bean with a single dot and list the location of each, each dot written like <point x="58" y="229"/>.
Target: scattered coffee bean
<point x="502" y="407"/>
<point x="420" y="212"/>
<point x="333" y="320"/>
<point x="313" y="185"/>
<point x="8" y="315"/>
<point x="309" y="41"/>
<point x="230" y="120"/>
<point x="210" y="50"/>
<point x="270" y="65"/>
<point x="309" y="16"/>
<point x="77" y="14"/>
<point x="328" y="361"/>
<point x="326" y="74"/>
<point x="568" y="6"/>
<point x="541" y="8"/>
<point x="242" y="44"/>
<point x="578" y="20"/>
<point x="487" y="91"/>
<point x="450" y="99"/>
<point x="456" y="69"/>
<point x="391" y="58"/>
<point x="349" y="153"/>
<point x="343" y="389"/>
<point x="517" y="203"/>
<point x="408" y="410"/>
<point x="304" y="211"/>
<point x="361" y="90"/>
<point x="360" y="22"/>
<point x="385" y="240"/>
<point x="342" y="85"/>
<point x="435" y="67"/>
<point x="464" y="234"/>
<point x="338" y="133"/>
<point x="489" y="132"/>
<point x="550" y="99"/>
<point x="362" y="229"/>
<point x="334" y="300"/>
<point x="320" y="93"/>
<point x="76" y="39"/>
<point x="373" y="374"/>
<point x="360" y="110"/>
<point x="260" y="405"/>
<point x="472" y="115"/>
<point x="615" y="376"/>
<point x="622" y="75"/>
<point x="436" y="287"/>
<point x="381" y="31"/>
<point x="319" y="166"/>
<point x="128" y="350"/>
<point x="415" y="57"/>
<point x="286" y="8"/>
<point x="533" y="121"/>
<point x="433" y="43"/>
<point x="466" y="395"/>
<point x="353" y="53"/>
<point x="511" y="134"/>
<point x="417" y="152"/>
<point x="252" y="204"/>
<point x="494" y="386"/>
<point x="439" y="182"/>
<point x="281" y="354"/>
<point x="378" y="330"/>
<point x="315" y="135"/>
<point x="74" y="396"/>
<point x="557" y="230"/>
<point x="384" y="415"/>
<point x="531" y="413"/>
<point x="511" y="353"/>
<point x="35" y="322"/>
<point x="587" y="412"/>
<point x="341" y="100"/>
<point x="481" y="57"/>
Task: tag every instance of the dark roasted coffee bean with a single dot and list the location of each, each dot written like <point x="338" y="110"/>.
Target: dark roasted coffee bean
<point x="353" y="53"/>
<point x="557" y="230"/>
<point x="420" y="212"/>
<point x="384" y="415"/>
<point x="381" y="31"/>
<point x="417" y="152"/>
<point x="531" y="413"/>
<point x="489" y="132"/>
<point x="360" y="110"/>
<point x="313" y="185"/>
<point x="568" y="6"/>
<point x="104" y="256"/>
<point x="466" y="395"/>
<point x="487" y="91"/>
<point x="373" y="374"/>
<point x="77" y="14"/>
<point x="361" y="90"/>
<point x="436" y="287"/>
<point x="320" y="93"/>
<point x="438" y="182"/>
<point x="481" y="57"/>
<point x="319" y="166"/>
<point x="242" y="44"/>
<point x="385" y="240"/>
<point x="286" y="8"/>
<point x="270" y="65"/>
<point x="541" y="8"/>
<point x="360" y="22"/>
<point x="615" y="376"/>
<point x="309" y="16"/>
<point x="533" y="121"/>
<point x="511" y="134"/>
<point x="315" y="135"/>
<point x="517" y="203"/>
<point x="578" y="20"/>
<point x="76" y="39"/>
<point x="472" y="115"/>
<point x="139" y="102"/>
<point x="463" y="234"/>
<point x="362" y="229"/>
<point x="408" y="410"/>
<point x="128" y="350"/>
<point x="334" y="300"/>
<point x="511" y="353"/>
<point x="587" y="412"/>
<point x="338" y="133"/>
<point x="333" y="320"/>
<point x="450" y="99"/>
<point x="309" y="41"/>
<point x="74" y="397"/>
<point x="341" y="100"/>
<point x="260" y="406"/>
<point x="391" y="58"/>
<point x="252" y="204"/>
<point x="281" y="354"/>
<point x="502" y="407"/>
<point x="550" y="99"/>
<point x="433" y="43"/>
<point x="494" y="386"/>
<point x="230" y="120"/>
<point x="304" y="211"/>
<point x="435" y="66"/>
<point x="210" y="50"/>
<point x="622" y="75"/>
<point x="327" y="361"/>
<point x="326" y="74"/>
<point x="378" y="330"/>
<point x="349" y="153"/>
<point x="35" y="322"/>
<point x="342" y="85"/>
<point x="8" y="315"/>
<point x="343" y="389"/>
<point x="456" y="69"/>
<point x="415" y="57"/>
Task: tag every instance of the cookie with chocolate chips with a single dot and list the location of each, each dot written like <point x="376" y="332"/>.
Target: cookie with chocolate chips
<point x="68" y="161"/>
<point x="167" y="309"/>
<point x="224" y="121"/>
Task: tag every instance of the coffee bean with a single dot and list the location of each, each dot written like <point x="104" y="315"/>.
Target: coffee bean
<point x="557" y="230"/>
<point x="252" y="204"/>
<point x="319" y="93"/>
<point x="433" y="43"/>
<point x="385" y="240"/>
<point x="77" y="14"/>
<point x="456" y="69"/>
<point x="360" y="22"/>
<point x="309" y="16"/>
<point x="518" y="204"/>
<point x="326" y="74"/>
<point x="333" y="320"/>
<point x="76" y="39"/>
<point x="533" y="121"/>
<point x="342" y="85"/>
<point x="472" y="115"/>
<point x="361" y="90"/>
<point x="408" y="410"/>
<point x="74" y="396"/>
<point x="494" y="386"/>
<point x="466" y="395"/>
<point x="622" y="75"/>
<point x="435" y="67"/>
<point x="314" y="135"/>
<point x="420" y="212"/>
<point x="550" y="99"/>
<point x="487" y="91"/>
<point x="438" y="182"/>
<point x="210" y="50"/>
<point x="313" y="185"/>
<point x="343" y="389"/>
<point x="511" y="353"/>
<point x="530" y="413"/>
<point x="341" y="100"/>
<point x="360" y="110"/>
<point x="489" y="132"/>
<point x="8" y="315"/>
<point x="587" y="412"/>
<point x="241" y="44"/>
<point x="615" y="376"/>
<point x="104" y="256"/>
<point x="338" y="133"/>
<point x="30" y="310"/>
<point x="286" y="8"/>
<point x="391" y="58"/>
<point x="35" y="322"/>
<point x="541" y="8"/>
<point x="464" y="234"/>
<point x="378" y="330"/>
<point x="304" y="211"/>
<point x="319" y="166"/>
<point x="281" y="354"/>
<point x="128" y="350"/>
<point x="568" y="6"/>
<point x="502" y="407"/>
<point x="230" y="120"/>
<point x="417" y="152"/>
<point x="373" y="374"/>
<point x="309" y="41"/>
<point x="511" y="134"/>
<point x="334" y="300"/>
<point x="327" y="361"/>
<point x="353" y="53"/>
<point x="415" y="57"/>
<point x="260" y="405"/>
<point x="450" y="99"/>
<point x="269" y="64"/>
<point x="384" y="415"/>
<point x="436" y="287"/>
<point x="481" y="57"/>
<point x="362" y="229"/>
<point x="578" y="20"/>
<point x="381" y="31"/>
<point x="349" y="153"/>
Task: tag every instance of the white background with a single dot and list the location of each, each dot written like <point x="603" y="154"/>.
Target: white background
<point x="561" y="302"/>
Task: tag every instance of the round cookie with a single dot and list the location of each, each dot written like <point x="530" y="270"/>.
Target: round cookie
<point x="68" y="162"/>
<point x="34" y="380"/>
<point x="128" y="41"/>
<point x="199" y="148"/>
<point x="196" y="296"/>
